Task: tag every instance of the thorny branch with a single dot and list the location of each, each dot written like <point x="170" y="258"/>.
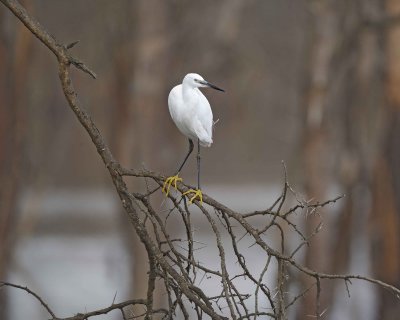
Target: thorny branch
<point x="37" y="297"/>
<point x="175" y="261"/>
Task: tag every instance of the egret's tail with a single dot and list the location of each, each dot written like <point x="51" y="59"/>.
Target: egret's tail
<point x="206" y="143"/>
<point x="205" y="136"/>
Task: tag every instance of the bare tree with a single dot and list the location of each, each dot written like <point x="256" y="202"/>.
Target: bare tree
<point x="174" y="266"/>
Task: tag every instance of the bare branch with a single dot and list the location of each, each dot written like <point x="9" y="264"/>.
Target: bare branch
<point x="46" y="38"/>
<point x="175" y="261"/>
<point x="37" y="297"/>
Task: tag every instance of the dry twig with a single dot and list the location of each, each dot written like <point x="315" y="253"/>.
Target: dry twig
<point x="179" y="271"/>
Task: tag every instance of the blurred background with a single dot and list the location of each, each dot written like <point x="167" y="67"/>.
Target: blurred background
<point x="314" y="83"/>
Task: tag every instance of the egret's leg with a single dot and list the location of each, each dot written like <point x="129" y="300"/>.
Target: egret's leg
<point x="198" y="164"/>
<point x="191" y="147"/>
<point x="196" y="193"/>
<point x="174" y="179"/>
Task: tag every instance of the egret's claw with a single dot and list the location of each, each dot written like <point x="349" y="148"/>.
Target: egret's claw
<point x="196" y="194"/>
<point x="168" y="182"/>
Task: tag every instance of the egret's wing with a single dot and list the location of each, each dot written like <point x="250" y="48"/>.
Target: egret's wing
<point x="203" y="120"/>
<point x="180" y="113"/>
<point x="175" y="103"/>
<point x="204" y="137"/>
<point x="205" y="115"/>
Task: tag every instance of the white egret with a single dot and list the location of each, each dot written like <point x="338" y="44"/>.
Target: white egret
<point x="191" y="113"/>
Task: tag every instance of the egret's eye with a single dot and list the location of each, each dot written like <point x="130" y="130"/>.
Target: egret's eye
<point x="196" y="80"/>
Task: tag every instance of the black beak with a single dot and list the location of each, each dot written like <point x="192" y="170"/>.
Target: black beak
<point x="212" y="86"/>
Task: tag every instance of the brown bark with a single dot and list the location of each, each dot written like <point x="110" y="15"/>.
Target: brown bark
<point x="149" y="100"/>
<point x="14" y="71"/>
<point x="315" y="144"/>
<point x="315" y="139"/>
<point x="138" y="91"/>
<point x="151" y="75"/>
<point x="385" y="220"/>
<point x="385" y="235"/>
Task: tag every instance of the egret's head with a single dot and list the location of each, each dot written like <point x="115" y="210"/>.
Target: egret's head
<point x="196" y="81"/>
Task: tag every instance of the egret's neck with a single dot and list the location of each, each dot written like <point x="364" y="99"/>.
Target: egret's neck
<point x="189" y="92"/>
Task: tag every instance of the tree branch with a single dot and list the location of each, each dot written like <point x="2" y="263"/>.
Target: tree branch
<point x="37" y="297"/>
<point x="179" y="271"/>
<point x="60" y="51"/>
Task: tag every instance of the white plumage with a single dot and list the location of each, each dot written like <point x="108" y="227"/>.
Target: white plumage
<point x="192" y="114"/>
<point x="190" y="109"/>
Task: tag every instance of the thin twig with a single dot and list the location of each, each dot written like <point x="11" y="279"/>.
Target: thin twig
<point x="37" y="297"/>
<point x="167" y="262"/>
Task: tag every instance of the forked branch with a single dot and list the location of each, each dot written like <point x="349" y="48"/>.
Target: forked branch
<point x="175" y="261"/>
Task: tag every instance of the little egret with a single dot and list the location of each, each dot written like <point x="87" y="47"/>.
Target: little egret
<point x="191" y="113"/>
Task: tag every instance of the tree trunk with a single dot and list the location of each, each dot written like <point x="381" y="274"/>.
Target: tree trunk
<point x="14" y="73"/>
<point x="385" y="219"/>
<point x="315" y="137"/>
<point x="141" y="59"/>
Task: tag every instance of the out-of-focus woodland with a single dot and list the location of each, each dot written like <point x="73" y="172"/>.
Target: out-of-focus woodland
<point x="314" y="83"/>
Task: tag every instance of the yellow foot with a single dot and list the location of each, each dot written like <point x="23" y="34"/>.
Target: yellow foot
<point x="196" y="194"/>
<point x="168" y="182"/>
